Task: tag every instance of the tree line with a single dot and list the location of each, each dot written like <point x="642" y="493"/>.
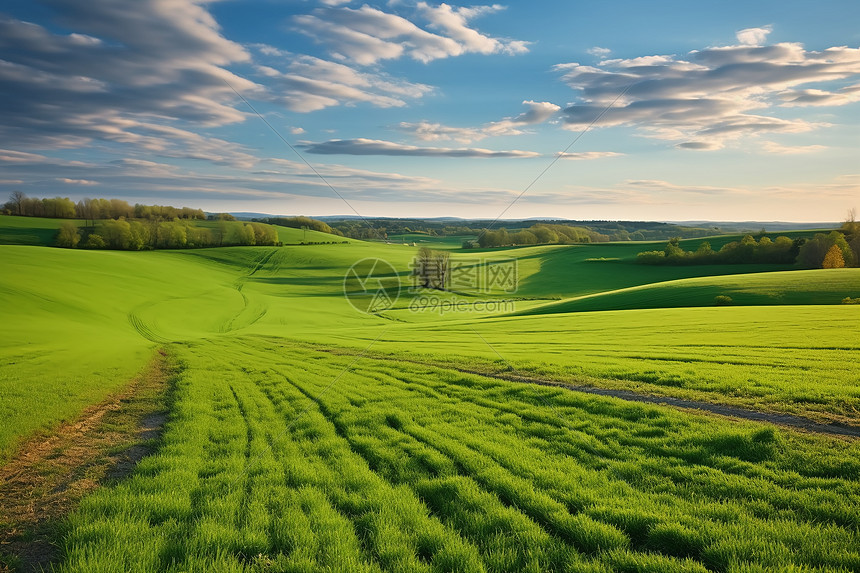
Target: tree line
<point x="137" y="235"/>
<point x="836" y="249"/>
<point x="381" y="228"/>
<point x="93" y="209"/>
<point x="538" y="234"/>
<point x="303" y="223"/>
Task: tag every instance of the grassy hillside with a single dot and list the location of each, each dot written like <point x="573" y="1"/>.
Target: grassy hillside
<point x="407" y="467"/>
<point x="308" y="436"/>
<point x="796" y="288"/>
<point x="84" y="320"/>
<point x="42" y="231"/>
<point x="433" y="242"/>
<point x="73" y="331"/>
<point x="31" y="230"/>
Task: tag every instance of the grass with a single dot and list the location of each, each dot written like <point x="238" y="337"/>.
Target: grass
<point x="70" y="336"/>
<point x="828" y="286"/>
<point x="413" y="468"/>
<point x="306" y="436"/>
<point x="452" y="242"/>
<point x="792" y="359"/>
<point x="31" y="230"/>
<point x="38" y="491"/>
<point x="39" y="231"/>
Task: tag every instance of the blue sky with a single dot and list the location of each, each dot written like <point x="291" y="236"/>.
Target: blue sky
<point x="675" y="110"/>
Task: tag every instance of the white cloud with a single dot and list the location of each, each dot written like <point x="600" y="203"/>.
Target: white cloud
<point x="363" y="146"/>
<point x="820" y="98"/>
<point x="367" y="35"/>
<point x="658" y="186"/>
<point x="310" y="84"/>
<point x="753" y="36"/>
<point x="536" y="113"/>
<point x="711" y="97"/>
<point x="297" y="130"/>
<point x="599" y="52"/>
<point x="430" y="131"/>
<point x="587" y="155"/>
<point x="84" y="182"/>
<point x="454" y="22"/>
<point x="773" y="147"/>
<point x="278" y="179"/>
<point x="12" y="156"/>
<point x="120" y="74"/>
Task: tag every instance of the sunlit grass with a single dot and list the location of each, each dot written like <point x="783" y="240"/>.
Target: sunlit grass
<point x="401" y="467"/>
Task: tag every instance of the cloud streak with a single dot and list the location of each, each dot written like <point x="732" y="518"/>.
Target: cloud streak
<point x="711" y="97"/>
<point x="311" y="84"/>
<point x="363" y="146"/>
<point x="136" y="75"/>
<point x="536" y="113"/>
<point x="367" y="35"/>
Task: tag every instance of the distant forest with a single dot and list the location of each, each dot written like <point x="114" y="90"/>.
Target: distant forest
<point x="92" y="209"/>
<point x="585" y="231"/>
<point x="139" y="235"/>
<point x="837" y="249"/>
<point x="114" y="224"/>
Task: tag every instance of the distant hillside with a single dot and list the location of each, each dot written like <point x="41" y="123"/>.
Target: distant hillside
<point x="755" y="226"/>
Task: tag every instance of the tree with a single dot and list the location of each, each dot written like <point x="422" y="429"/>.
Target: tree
<point x="855" y="248"/>
<point x="95" y="241"/>
<point x="431" y="268"/>
<point x="264" y="234"/>
<point x="87" y="209"/>
<point x="421" y="267"/>
<point x="248" y="236"/>
<point x="220" y="232"/>
<point x="544" y="234"/>
<point x="117" y="234"/>
<point x="68" y="236"/>
<point x="813" y="251"/>
<point x="833" y="259"/>
<point x="442" y="266"/>
<point x="704" y="251"/>
<point x="120" y="208"/>
<point x="16" y="200"/>
<point x="851" y="226"/>
<point x="524" y="238"/>
<point x="674" y="249"/>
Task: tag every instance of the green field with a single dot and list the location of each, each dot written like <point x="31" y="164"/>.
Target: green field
<point x="421" y="468"/>
<point x="431" y="241"/>
<point x="30" y="230"/>
<point x="825" y="287"/>
<point x="307" y="436"/>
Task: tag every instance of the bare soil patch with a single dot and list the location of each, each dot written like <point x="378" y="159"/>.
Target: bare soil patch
<point x="50" y="474"/>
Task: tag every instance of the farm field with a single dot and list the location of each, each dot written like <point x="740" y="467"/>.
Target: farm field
<point x="429" y="287"/>
<point x="266" y="466"/>
<point x="305" y="435"/>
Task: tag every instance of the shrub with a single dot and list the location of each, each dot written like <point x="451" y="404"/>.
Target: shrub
<point x="68" y="236"/>
<point x="651" y="257"/>
<point x="833" y="259"/>
<point x="722" y="300"/>
<point x="95" y="241"/>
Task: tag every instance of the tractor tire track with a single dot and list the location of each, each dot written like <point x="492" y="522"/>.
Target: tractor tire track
<point x="790" y="420"/>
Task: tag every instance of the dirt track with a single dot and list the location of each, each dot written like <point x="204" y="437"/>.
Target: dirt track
<point x="50" y="475"/>
<point x="790" y="420"/>
<point x="723" y="410"/>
